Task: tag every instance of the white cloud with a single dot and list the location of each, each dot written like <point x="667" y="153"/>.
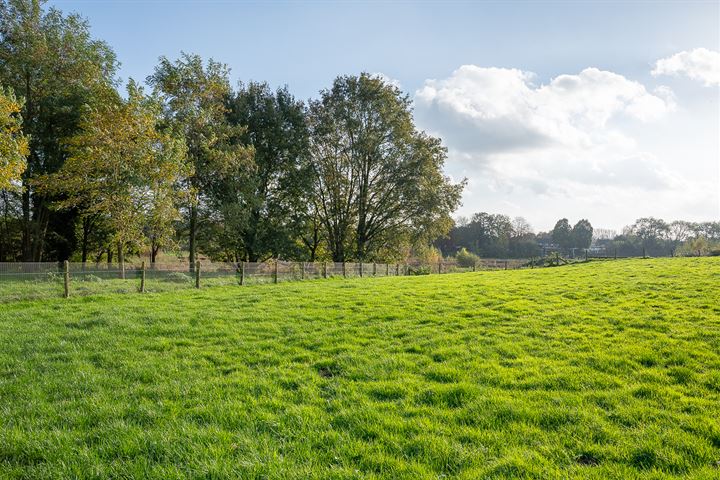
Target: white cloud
<point x="504" y="110"/>
<point x="389" y="80"/>
<point x="567" y="144"/>
<point x="699" y="64"/>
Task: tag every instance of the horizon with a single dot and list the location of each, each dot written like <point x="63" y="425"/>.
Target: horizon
<point x="591" y="110"/>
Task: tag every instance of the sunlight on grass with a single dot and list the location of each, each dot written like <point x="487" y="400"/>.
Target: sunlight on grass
<point x="599" y="370"/>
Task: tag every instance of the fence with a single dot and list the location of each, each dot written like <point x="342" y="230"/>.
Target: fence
<point x="19" y="281"/>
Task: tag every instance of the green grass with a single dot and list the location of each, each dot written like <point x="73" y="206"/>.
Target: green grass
<point x="598" y="370"/>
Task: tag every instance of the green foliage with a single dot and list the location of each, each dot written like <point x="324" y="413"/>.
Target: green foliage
<point x="50" y="61"/>
<point x="595" y="370"/>
<point x="177" y="277"/>
<point x="122" y="169"/>
<point x="466" y="259"/>
<point x="194" y="96"/>
<point x="267" y="209"/>
<point x="377" y="180"/>
<point x="13" y="144"/>
<point x="562" y="233"/>
<point x="582" y="234"/>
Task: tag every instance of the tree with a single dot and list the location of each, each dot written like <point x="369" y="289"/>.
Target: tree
<point x="119" y="166"/>
<point x="521" y="227"/>
<point x="275" y="193"/>
<point x="562" y="233"/>
<point x="52" y="62"/>
<point x="194" y="96"/>
<point x="678" y="232"/>
<point x="13" y="144"/>
<point x="652" y="233"/>
<point x="582" y="234"/>
<point x="377" y="180"/>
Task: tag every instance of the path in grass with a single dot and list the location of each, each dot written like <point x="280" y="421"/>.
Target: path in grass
<point x="601" y="370"/>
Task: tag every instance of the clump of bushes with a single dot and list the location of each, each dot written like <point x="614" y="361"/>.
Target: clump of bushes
<point x="465" y="258"/>
<point x="177" y="277"/>
<point x="419" y="270"/>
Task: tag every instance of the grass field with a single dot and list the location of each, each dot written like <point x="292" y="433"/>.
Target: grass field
<point x="598" y="370"/>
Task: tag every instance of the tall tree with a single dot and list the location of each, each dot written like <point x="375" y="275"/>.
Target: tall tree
<point x="276" y="191"/>
<point x="582" y="234"/>
<point x="13" y="144"/>
<point x="562" y="233"/>
<point x="377" y="180"/>
<point x="118" y="166"/>
<point x="678" y="232"/>
<point x="52" y="62"/>
<point x="195" y="95"/>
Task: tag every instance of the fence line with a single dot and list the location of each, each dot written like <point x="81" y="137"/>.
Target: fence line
<point x="26" y="280"/>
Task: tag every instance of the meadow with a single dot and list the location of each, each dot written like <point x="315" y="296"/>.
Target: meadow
<point x="605" y="369"/>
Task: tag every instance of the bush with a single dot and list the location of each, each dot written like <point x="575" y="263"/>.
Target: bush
<point x="421" y="270"/>
<point x="465" y="258"/>
<point x="177" y="277"/>
<point x="91" y="278"/>
<point x="715" y="252"/>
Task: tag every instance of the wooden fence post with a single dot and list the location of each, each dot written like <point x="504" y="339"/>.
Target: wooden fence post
<point x="506" y="264"/>
<point x="197" y="274"/>
<point x="66" y="269"/>
<point x="302" y="270"/>
<point x="643" y="252"/>
<point x="397" y="269"/>
<point x="586" y="254"/>
<point x="142" y="277"/>
<point x="324" y="269"/>
<point x="387" y="269"/>
<point x="615" y="253"/>
<point x="344" y="270"/>
<point x="439" y="267"/>
<point x="532" y="262"/>
<point x="275" y="279"/>
<point x="374" y="269"/>
<point x="242" y="272"/>
<point x="361" y="269"/>
<point x="473" y="266"/>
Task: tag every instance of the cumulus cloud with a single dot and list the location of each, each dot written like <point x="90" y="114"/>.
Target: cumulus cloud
<point x="502" y="109"/>
<point x="389" y="80"/>
<point x="699" y="64"/>
<point x="568" y="140"/>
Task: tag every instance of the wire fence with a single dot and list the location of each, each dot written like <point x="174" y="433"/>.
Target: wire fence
<point x="28" y="281"/>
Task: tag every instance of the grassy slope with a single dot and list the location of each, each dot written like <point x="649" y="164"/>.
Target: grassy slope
<point x="603" y="370"/>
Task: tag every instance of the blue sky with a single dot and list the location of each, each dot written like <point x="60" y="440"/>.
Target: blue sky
<point x="306" y="44"/>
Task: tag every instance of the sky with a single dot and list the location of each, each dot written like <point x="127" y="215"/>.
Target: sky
<point x="605" y="110"/>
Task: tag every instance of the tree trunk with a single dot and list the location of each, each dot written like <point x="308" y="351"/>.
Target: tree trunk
<point x="193" y="232"/>
<point x="154" y="250"/>
<point x="109" y="255"/>
<point x="121" y="260"/>
<point x="86" y="225"/>
<point x="26" y="232"/>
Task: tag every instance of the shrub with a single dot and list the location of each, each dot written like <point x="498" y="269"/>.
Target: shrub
<point x="421" y="270"/>
<point x="177" y="277"/>
<point x="465" y="258"/>
<point x="91" y="278"/>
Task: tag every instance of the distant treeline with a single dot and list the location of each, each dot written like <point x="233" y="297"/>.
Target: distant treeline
<point x="197" y="166"/>
<point x="499" y="236"/>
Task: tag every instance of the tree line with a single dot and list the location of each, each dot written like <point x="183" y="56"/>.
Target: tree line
<point x="499" y="236"/>
<point x="187" y="163"/>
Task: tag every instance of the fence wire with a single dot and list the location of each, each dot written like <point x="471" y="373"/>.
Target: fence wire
<point x="27" y="281"/>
